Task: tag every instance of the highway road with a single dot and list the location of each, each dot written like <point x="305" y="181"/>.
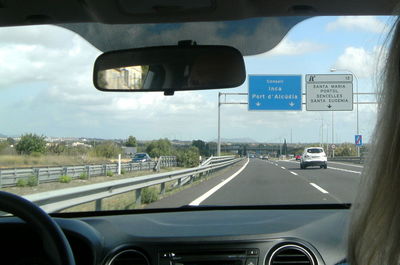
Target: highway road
<point x="261" y="182"/>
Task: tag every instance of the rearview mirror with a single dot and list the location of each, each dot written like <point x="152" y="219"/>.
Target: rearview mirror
<point x="169" y="69"/>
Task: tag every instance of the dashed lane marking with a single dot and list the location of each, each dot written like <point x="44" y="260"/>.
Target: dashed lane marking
<point x="318" y="188"/>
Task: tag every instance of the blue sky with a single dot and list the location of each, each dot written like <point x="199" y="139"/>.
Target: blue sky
<point x="45" y="88"/>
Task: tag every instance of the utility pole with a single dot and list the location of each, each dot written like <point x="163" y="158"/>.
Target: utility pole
<point x="291" y="134"/>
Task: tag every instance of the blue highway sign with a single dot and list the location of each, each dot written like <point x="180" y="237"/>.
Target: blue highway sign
<point x="358" y="140"/>
<point x="275" y="92"/>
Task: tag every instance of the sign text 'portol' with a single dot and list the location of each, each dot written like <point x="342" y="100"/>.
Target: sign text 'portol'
<point x="329" y="92"/>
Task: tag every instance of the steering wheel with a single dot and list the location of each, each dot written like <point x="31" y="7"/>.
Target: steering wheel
<point x="56" y="244"/>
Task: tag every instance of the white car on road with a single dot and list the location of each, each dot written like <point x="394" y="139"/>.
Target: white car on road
<point x="313" y="156"/>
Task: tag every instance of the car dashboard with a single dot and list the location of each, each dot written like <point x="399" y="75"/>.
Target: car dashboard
<point x="193" y="237"/>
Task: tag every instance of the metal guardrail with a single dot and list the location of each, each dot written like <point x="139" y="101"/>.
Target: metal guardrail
<point x="165" y="161"/>
<point x="351" y="159"/>
<point x="54" y="201"/>
<point x="10" y="177"/>
<point x="216" y="159"/>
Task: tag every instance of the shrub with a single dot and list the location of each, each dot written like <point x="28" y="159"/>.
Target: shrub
<point x="188" y="157"/>
<point x="83" y="175"/>
<point x="109" y="174"/>
<point x="149" y="195"/>
<point x="32" y="181"/>
<point x="123" y="171"/>
<point x="36" y="154"/>
<point x="107" y="149"/>
<point x="22" y="183"/>
<point x="65" y="179"/>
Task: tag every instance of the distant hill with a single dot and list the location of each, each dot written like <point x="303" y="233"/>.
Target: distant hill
<point x="3" y="136"/>
<point x="237" y="140"/>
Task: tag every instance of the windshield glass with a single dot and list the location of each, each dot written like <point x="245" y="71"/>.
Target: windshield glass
<point x="314" y="91"/>
<point x="314" y="150"/>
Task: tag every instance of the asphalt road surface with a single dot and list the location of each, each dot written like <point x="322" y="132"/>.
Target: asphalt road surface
<point x="261" y="182"/>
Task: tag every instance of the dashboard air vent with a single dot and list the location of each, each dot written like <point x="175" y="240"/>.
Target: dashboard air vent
<point x="291" y="254"/>
<point x="129" y="257"/>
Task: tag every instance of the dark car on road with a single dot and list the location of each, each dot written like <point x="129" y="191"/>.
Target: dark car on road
<point x="141" y="157"/>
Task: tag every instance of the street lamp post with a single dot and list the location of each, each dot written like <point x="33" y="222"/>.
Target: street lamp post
<point x="358" y="126"/>
<point x="322" y="131"/>
<point x="219" y="125"/>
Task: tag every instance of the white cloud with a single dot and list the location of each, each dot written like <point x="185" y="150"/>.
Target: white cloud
<point x="288" y="47"/>
<point x="67" y="102"/>
<point x="55" y="56"/>
<point x="355" y="23"/>
<point x="364" y="63"/>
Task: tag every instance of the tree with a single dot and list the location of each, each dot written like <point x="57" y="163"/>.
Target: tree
<point x="10" y="141"/>
<point x="202" y="146"/>
<point x="162" y="147"/>
<point x="211" y="148"/>
<point x="131" y="142"/>
<point x="284" y="148"/>
<point x="31" y="143"/>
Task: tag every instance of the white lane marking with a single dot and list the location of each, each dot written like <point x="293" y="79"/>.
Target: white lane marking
<point x="213" y="190"/>
<point x="345" y="170"/>
<point x="318" y="188"/>
<point x="283" y="167"/>
<point x="294" y="173"/>
<point x="345" y="164"/>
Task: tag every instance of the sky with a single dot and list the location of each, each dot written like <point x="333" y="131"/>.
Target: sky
<point x="46" y="88"/>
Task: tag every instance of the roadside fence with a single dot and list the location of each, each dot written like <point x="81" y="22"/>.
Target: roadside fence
<point x="10" y="176"/>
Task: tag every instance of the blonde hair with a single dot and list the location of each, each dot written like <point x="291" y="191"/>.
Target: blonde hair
<point x="374" y="236"/>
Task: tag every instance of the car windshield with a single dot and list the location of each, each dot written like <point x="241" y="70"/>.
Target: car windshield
<point x="314" y="150"/>
<point x="310" y="85"/>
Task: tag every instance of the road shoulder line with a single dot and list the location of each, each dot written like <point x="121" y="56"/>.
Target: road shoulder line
<point x="345" y="170"/>
<point x="203" y="197"/>
<point x="345" y="164"/>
